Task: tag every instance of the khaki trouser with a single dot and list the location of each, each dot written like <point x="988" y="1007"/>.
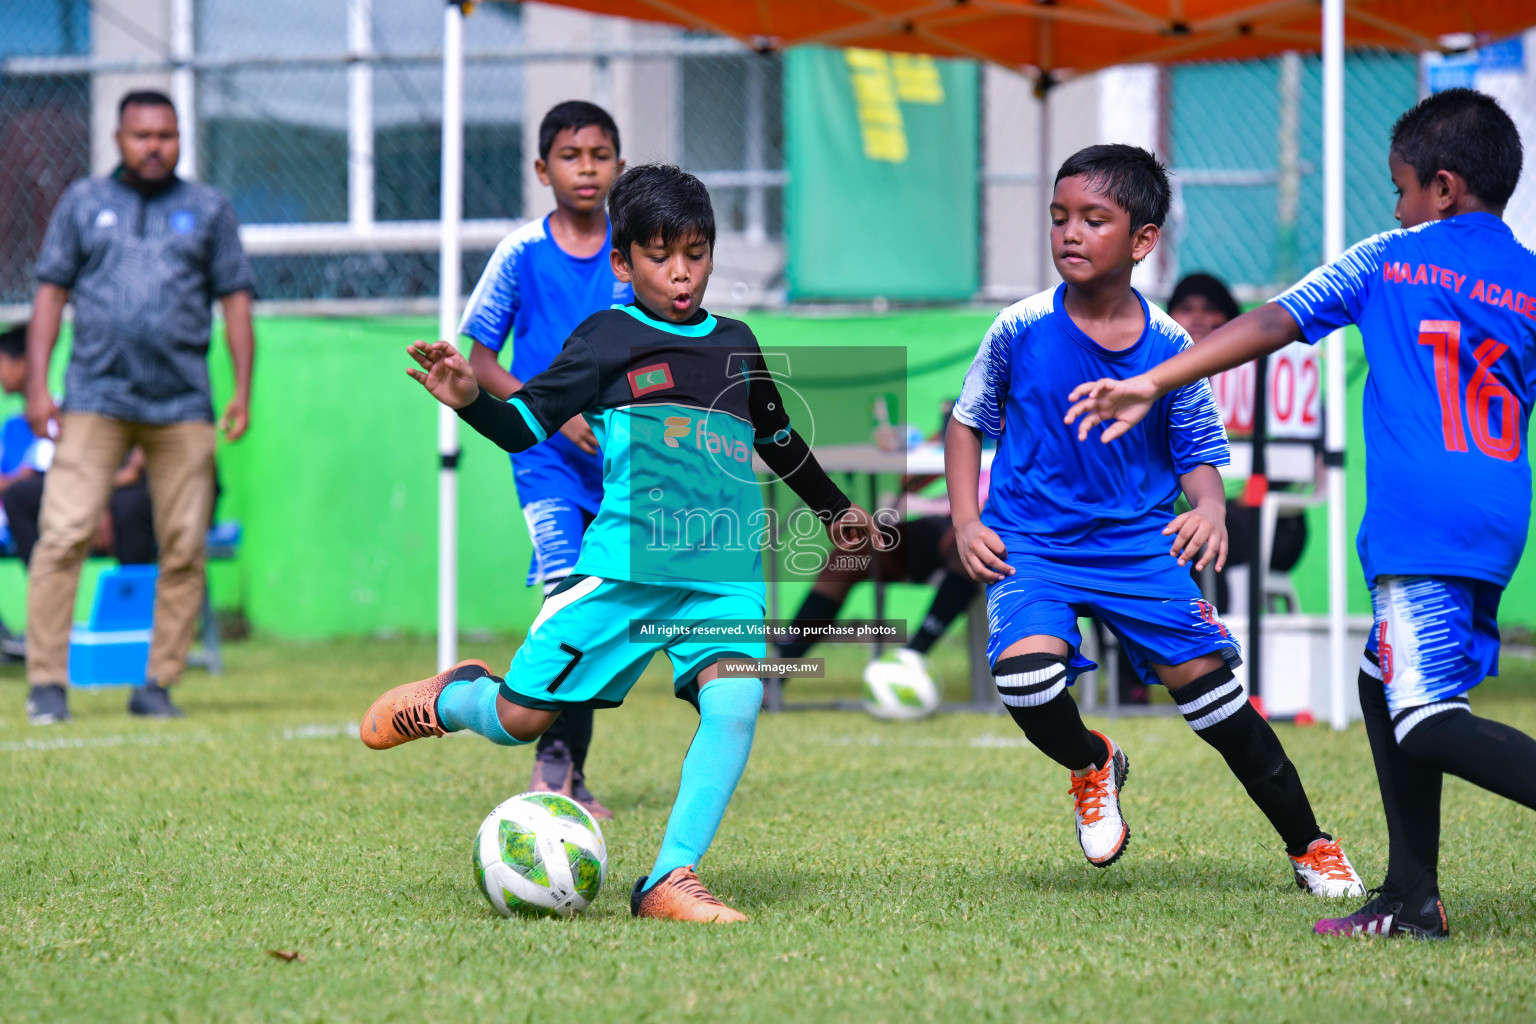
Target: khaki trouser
<point x="178" y="458"/>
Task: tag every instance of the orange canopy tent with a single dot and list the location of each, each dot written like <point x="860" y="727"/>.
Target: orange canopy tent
<point x="1058" y="36"/>
<point x="1049" y="40"/>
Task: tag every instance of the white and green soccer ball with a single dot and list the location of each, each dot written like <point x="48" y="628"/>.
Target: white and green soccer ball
<point x="897" y="686"/>
<point x="540" y="855"/>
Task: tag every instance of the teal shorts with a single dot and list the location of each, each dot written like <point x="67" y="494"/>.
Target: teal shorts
<point x="579" y="653"/>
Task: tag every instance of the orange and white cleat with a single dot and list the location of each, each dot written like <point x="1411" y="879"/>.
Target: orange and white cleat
<point x="680" y="896"/>
<point x="409" y="712"/>
<point x="1324" y="871"/>
<point x="1101" y="830"/>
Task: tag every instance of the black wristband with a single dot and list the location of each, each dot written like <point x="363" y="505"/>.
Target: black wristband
<point x="498" y="421"/>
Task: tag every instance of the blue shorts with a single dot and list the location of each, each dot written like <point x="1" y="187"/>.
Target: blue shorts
<point x="1435" y="638"/>
<point x="556" y="526"/>
<point x="1151" y="630"/>
<point x="579" y="652"/>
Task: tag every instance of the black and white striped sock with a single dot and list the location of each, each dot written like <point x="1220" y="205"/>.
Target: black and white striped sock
<point x="1214" y="706"/>
<point x="1210" y="700"/>
<point x="1034" y="689"/>
<point x="1029" y="680"/>
<point x="1404" y="721"/>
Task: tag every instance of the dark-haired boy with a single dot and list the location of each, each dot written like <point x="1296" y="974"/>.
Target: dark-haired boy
<point x="543" y="279"/>
<point x="1072" y="531"/>
<point x="651" y="378"/>
<point x="1446" y="306"/>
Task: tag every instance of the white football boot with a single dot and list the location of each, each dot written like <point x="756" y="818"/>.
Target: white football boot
<point x="1101" y="830"/>
<point x="1324" y="871"/>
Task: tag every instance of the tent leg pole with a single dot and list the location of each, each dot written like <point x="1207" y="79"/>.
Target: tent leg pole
<point x="1333" y="246"/>
<point x="449" y="269"/>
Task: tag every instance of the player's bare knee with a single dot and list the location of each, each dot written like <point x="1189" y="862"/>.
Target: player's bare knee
<point x="523" y="724"/>
<point x="1184" y="673"/>
<point x="1040" y="644"/>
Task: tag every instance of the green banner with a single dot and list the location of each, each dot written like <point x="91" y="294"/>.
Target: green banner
<point x="882" y="152"/>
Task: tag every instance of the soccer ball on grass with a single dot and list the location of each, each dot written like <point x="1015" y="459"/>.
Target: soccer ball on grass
<point x="540" y="855"/>
<point x="897" y="686"/>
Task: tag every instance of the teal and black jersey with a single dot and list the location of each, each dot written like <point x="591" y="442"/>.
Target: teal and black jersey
<point x="679" y="410"/>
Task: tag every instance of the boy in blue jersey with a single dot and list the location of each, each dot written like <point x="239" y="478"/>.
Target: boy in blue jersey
<point x="543" y="279"/>
<point x="1446" y="306"/>
<point x="668" y="389"/>
<point x="1071" y="531"/>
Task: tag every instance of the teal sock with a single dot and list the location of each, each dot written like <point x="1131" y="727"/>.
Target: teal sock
<point x="471" y="704"/>
<point x="728" y="711"/>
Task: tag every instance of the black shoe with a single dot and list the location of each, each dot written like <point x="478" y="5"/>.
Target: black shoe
<point x="47" y="704"/>
<point x="582" y="795"/>
<point x="635" y="894"/>
<point x="1385" y="916"/>
<point x="552" y="769"/>
<point x="152" y="701"/>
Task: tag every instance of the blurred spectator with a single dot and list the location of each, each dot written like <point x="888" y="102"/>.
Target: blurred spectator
<point x="125" y="531"/>
<point x="143" y="254"/>
<point x="1201" y="303"/>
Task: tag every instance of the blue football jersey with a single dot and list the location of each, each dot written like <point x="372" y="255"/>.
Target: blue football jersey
<point x="1448" y="314"/>
<point x="535" y="294"/>
<point x="1085" y="513"/>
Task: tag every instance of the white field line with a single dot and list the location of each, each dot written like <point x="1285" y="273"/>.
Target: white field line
<point x="983" y="741"/>
<point x="93" y="742"/>
<point x="347" y="730"/>
<point x="320" y="732"/>
<point x="316" y="731"/>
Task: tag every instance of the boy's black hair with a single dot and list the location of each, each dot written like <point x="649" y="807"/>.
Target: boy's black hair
<point x="658" y="201"/>
<point x="144" y="98"/>
<point x="574" y="115"/>
<point x="13" y="342"/>
<point x="1465" y="132"/>
<point x="1134" y="179"/>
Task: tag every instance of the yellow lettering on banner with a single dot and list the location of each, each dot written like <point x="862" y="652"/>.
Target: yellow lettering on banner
<point x="917" y="78"/>
<point x="874" y="96"/>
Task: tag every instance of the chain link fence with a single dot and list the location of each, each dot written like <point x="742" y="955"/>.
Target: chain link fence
<point x="326" y="138"/>
<point x="1245" y="141"/>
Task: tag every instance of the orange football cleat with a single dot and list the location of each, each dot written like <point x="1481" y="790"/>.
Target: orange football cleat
<point x="680" y="896"/>
<point x="409" y="712"/>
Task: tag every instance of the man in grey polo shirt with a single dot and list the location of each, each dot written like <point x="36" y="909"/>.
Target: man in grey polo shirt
<point x="143" y="254"/>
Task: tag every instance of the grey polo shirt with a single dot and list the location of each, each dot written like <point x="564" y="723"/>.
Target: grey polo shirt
<point x="143" y="270"/>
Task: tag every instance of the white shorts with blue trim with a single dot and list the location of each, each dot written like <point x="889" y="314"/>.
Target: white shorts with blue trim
<point x="1435" y="638"/>
<point x="556" y="526"/>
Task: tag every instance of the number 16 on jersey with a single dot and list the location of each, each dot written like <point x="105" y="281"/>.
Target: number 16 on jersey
<point x="1444" y="339"/>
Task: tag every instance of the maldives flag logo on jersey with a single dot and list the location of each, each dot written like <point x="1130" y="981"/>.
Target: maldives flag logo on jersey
<point x="645" y="379"/>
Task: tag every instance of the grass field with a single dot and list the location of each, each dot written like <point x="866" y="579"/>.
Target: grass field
<point x="923" y="871"/>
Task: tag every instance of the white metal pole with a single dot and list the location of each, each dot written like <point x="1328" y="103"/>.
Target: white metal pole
<point x="184" y="84"/>
<point x="447" y="329"/>
<point x="1333" y="247"/>
<point x="360" y="114"/>
<point x="1044" y="185"/>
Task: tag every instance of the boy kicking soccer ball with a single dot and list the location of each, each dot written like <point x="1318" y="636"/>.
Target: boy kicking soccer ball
<point x="1072" y="531"/>
<point x="650" y="377"/>
<point x="1446" y="306"/>
<point x="543" y="279"/>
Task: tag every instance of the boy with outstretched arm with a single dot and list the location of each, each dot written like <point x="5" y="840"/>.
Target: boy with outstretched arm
<point x="1072" y="530"/>
<point x="1446" y="306"/>
<point x="543" y="279"/>
<point x="651" y="378"/>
